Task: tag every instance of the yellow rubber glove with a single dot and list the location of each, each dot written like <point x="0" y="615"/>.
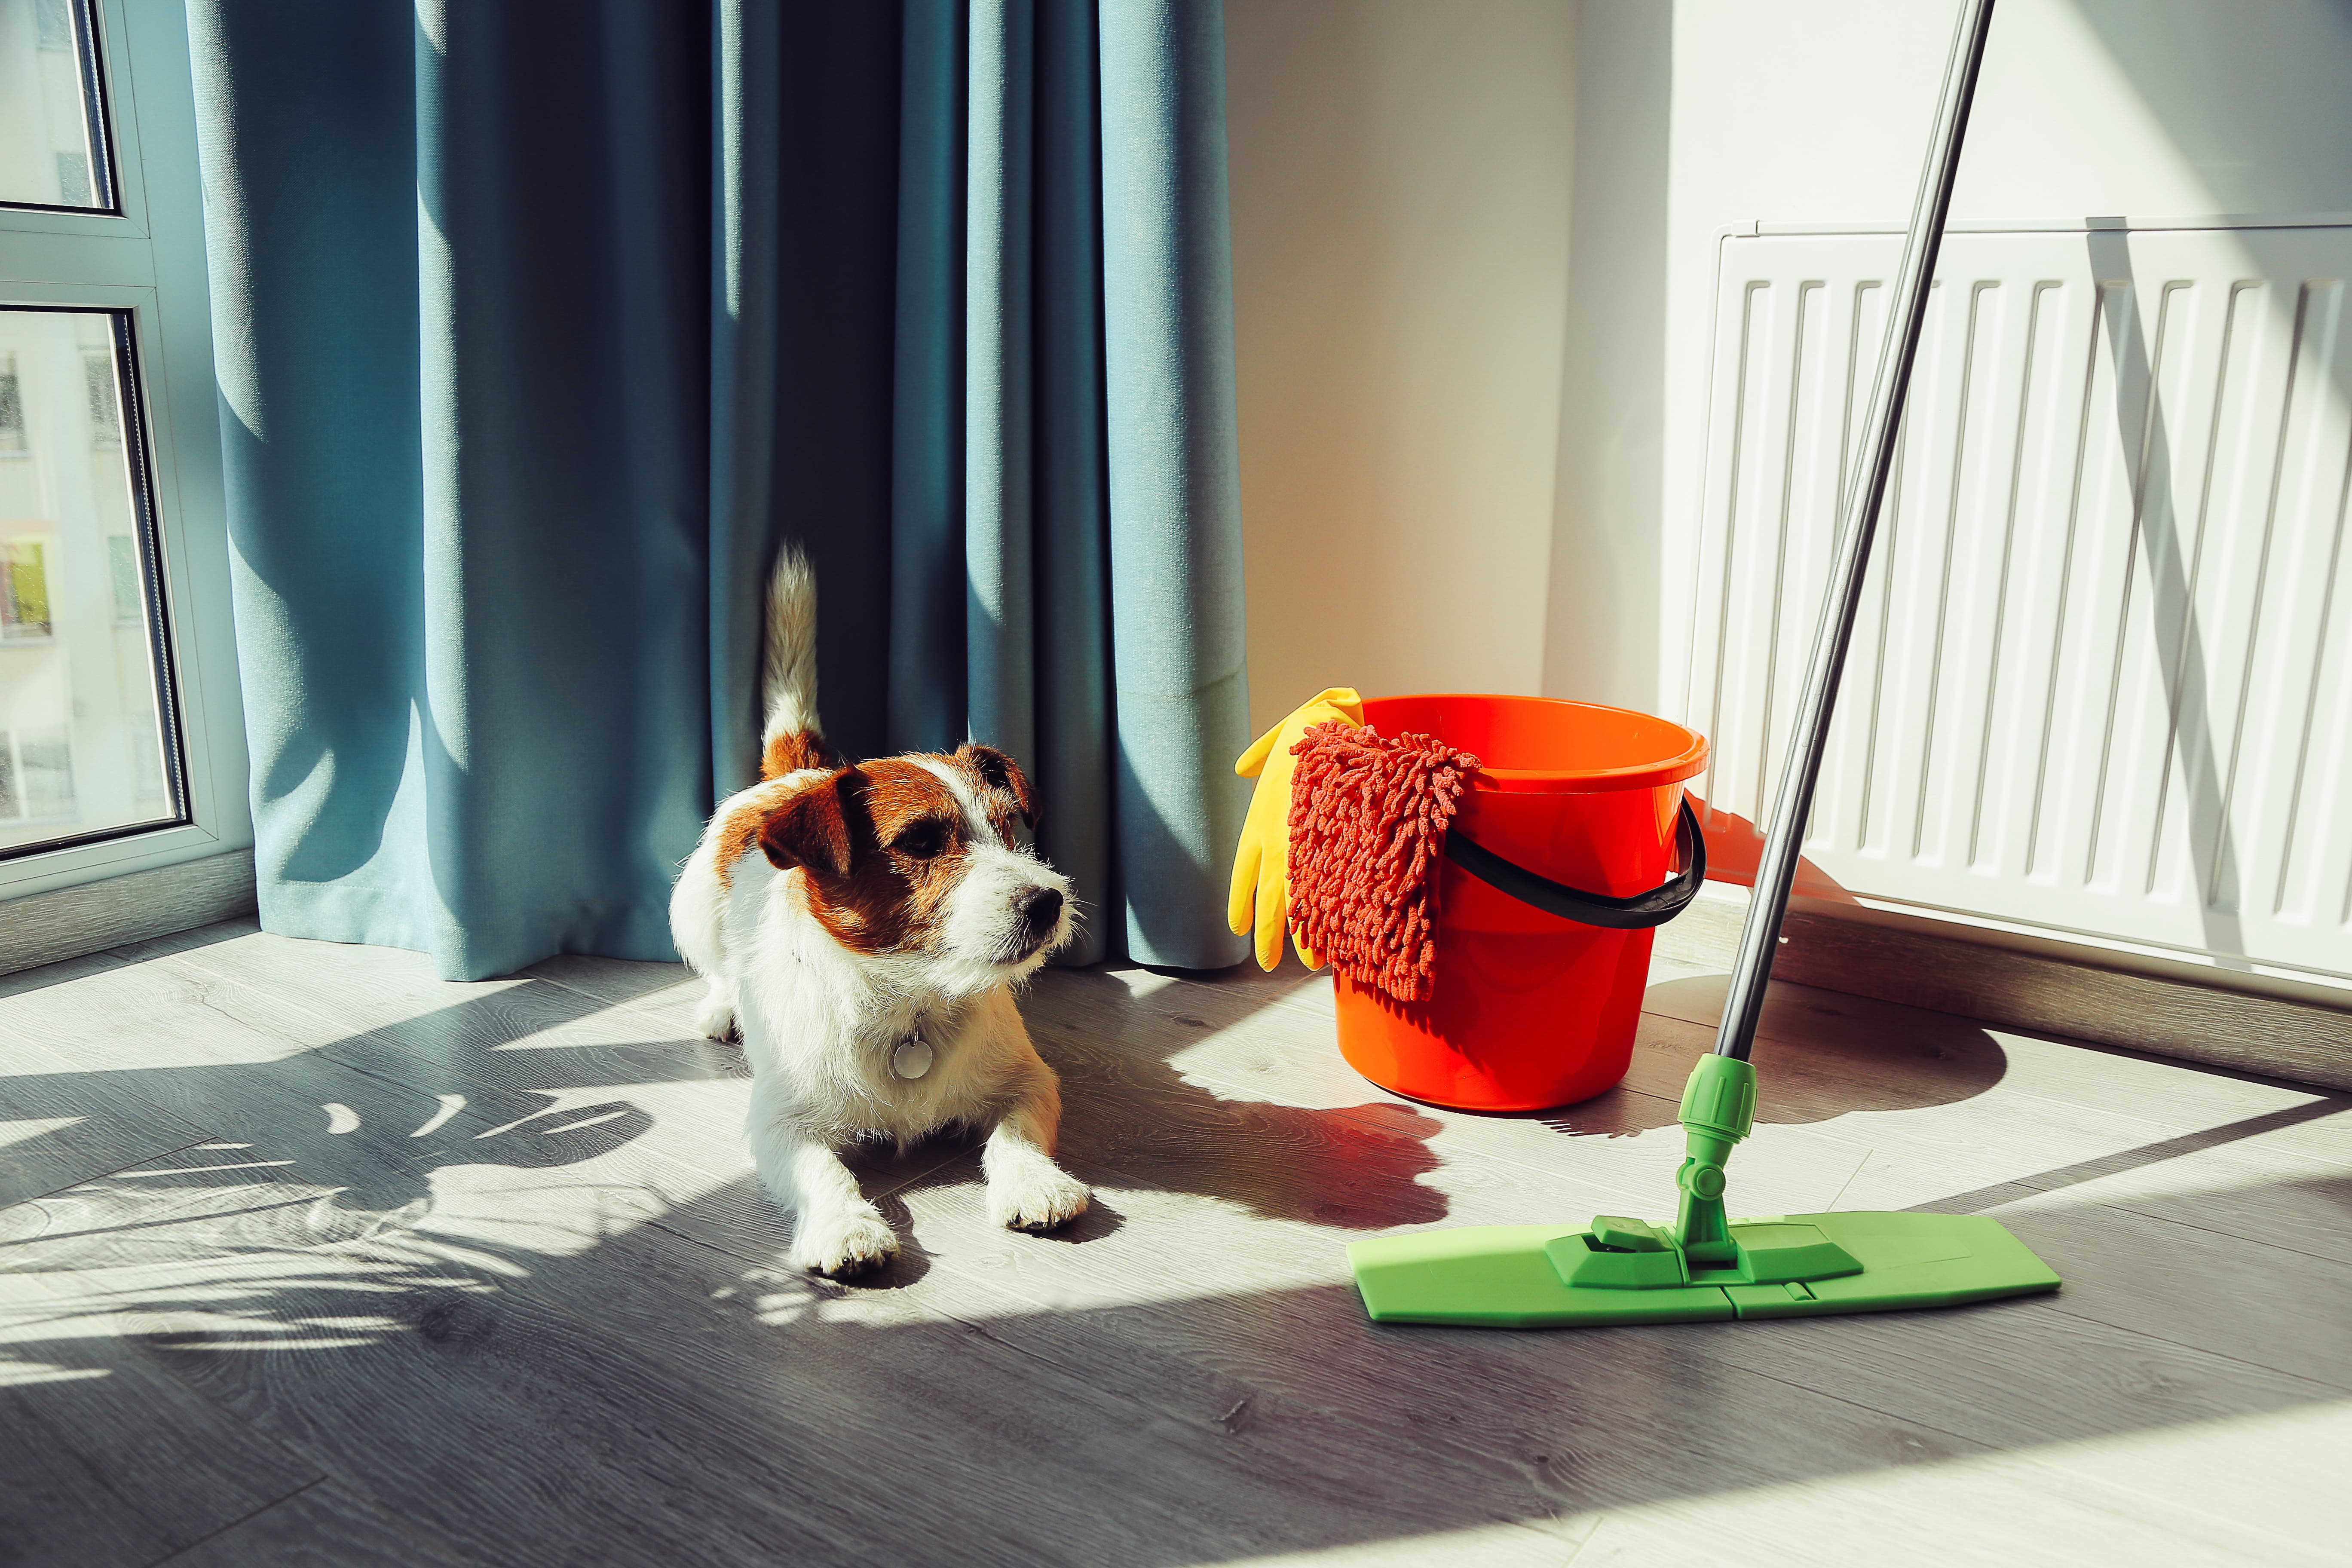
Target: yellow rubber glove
<point x="1262" y="864"/>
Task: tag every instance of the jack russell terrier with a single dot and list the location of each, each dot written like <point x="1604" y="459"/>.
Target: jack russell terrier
<point x="862" y="926"/>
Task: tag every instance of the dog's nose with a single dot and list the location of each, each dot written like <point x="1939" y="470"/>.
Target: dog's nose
<point x="1040" y="908"/>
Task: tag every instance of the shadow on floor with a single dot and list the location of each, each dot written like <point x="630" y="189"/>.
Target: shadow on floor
<point x="1123" y="1106"/>
<point x="1817" y="1056"/>
<point x="371" y="1118"/>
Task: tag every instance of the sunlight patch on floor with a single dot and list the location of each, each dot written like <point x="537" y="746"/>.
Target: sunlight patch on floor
<point x="1482" y="1545"/>
<point x="26" y="1130"/>
<point x="2200" y="1492"/>
<point x="19" y="1374"/>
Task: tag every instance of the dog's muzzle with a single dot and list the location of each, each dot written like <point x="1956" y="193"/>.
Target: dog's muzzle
<point x="1040" y="912"/>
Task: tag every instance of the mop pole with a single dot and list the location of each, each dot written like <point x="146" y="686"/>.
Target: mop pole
<point x="1759" y="937"/>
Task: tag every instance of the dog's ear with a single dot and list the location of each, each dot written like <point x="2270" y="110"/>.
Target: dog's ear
<point x="809" y="829"/>
<point x="1000" y="776"/>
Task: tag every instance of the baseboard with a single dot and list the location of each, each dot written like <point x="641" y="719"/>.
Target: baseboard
<point x="48" y="928"/>
<point x="2058" y="990"/>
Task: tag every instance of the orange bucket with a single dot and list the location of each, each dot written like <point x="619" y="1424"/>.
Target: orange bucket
<point x="1560" y="865"/>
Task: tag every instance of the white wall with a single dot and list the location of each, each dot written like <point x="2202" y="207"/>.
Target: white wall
<point x="1400" y="175"/>
<point x="1471" y="431"/>
<point x="1817" y="110"/>
<point x="1601" y="606"/>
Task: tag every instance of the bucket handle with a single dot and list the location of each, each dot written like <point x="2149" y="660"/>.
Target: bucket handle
<point x="1640" y="912"/>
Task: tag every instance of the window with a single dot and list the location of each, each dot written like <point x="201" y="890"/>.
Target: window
<point x="120" y="747"/>
<point x="75" y="686"/>
<point x="53" y="140"/>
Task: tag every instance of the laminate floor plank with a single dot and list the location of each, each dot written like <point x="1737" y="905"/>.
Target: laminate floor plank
<point x="2006" y="1508"/>
<point x="2233" y="1296"/>
<point x="2250" y="1187"/>
<point x="17" y="982"/>
<point x="59" y="1128"/>
<point x="188" y="940"/>
<point x="1617" y="1541"/>
<point x="323" y="1526"/>
<point x="106" y="1462"/>
<point x="2275" y="1477"/>
<point x="667" y="990"/>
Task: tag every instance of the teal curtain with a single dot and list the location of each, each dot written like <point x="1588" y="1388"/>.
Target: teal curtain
<point x="539" y="326"/>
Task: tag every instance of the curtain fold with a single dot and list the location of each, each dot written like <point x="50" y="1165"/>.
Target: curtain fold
<point x="1179" y="653"/>
<point x="538" y="328"/>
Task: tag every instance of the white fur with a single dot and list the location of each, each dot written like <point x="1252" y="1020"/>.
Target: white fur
<point x="788" y="669"/>
<point x="820" y="1023"/>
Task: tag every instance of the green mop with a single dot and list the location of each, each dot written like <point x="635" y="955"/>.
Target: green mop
<point x="1704" y="1266"/>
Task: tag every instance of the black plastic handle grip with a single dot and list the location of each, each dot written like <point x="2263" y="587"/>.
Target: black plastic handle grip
<point x="1640" y="912"/>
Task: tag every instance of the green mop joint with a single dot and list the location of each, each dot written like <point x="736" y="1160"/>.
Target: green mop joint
<point x="1718" y="1109"/>
<point x="1703" y="1266"/>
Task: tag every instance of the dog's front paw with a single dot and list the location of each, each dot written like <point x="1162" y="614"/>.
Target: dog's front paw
<point x="1037" y="1196"/>
<point x="716" y="1016"/>
<point x="841" y="1245"/>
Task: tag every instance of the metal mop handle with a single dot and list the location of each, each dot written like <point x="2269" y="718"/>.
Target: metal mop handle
<point x="1777" y="870"/>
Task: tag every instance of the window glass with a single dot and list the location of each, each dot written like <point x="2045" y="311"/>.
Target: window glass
<point x="86" y="739"/>
<point x="53" y="151"/>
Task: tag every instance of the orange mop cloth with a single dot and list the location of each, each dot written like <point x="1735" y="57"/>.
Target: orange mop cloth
<point x="1367" y="821"/>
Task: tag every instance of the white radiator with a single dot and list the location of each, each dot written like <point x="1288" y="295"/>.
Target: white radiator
<point x="2102" y="682"/>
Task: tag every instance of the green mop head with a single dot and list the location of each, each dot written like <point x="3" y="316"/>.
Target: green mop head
<point x="1701" y="1269"/>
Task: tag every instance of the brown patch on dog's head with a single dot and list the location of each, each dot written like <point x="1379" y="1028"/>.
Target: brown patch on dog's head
<point x="880" y="847"/>
<point x="1002" y="788"/>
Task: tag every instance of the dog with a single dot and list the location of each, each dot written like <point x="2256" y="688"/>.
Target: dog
<point x="862" y="927"/>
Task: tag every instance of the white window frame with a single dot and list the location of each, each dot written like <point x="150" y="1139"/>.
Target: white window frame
<point x="149" y="260"/>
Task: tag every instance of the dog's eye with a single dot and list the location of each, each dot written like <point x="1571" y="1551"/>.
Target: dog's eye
<point x="923" y="841"/>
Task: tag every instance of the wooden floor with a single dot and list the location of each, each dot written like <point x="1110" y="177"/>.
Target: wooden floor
<point x="308" y="1257"/>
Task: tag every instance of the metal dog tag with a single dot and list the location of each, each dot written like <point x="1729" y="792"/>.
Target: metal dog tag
<point x="912" y="1059"/>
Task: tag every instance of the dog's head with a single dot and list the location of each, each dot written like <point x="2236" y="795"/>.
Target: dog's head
<point x="916" y="857"/>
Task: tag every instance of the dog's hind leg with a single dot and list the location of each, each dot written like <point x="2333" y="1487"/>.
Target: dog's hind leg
<point x="1026" y="1191"/>
<point x="697" y="923"/>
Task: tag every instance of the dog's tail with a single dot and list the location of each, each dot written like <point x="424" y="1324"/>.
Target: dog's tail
<point x="791" y="739"/>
